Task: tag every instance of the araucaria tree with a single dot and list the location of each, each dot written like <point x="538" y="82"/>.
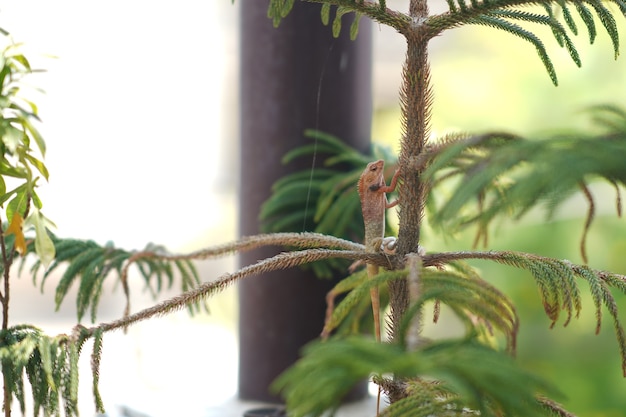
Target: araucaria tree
<point x="455" y="182"/>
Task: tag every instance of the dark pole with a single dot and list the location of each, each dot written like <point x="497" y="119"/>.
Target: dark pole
<point x="283" y="73"/>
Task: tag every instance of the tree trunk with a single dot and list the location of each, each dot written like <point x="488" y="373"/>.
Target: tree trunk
<point x="293" y="78"/>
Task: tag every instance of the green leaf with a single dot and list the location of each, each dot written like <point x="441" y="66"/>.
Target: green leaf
<point x="279" y="9"/>
<point x="37" y="164"/>
<point x="451" y="5"/>
<point x="75" y="268"/>
<point x="608" y="21"/>
<point x="3" y="186"/>
<point x="512" y="176"/>
<point x="70" y="393"/>
<point x="10" y="171"/>
<point x="558" y="30"/>
<point x="38" y="204"/>
<point x="34" y="133"/>
<point x="96" y="355"/>
<point x="19" y="203"/>
<point x="66" y="250"/>
<point x="567" y="16"/>
<point x="322" y="148"/>
<point x="90" y="280"/>
<point x="478" y="377"/>
<point x="325" y="12"/>
<point x="337" y="21"/>
<point x="47" y="351"/>
<point x="12" y="138"/>
<point x="354" y="27"/>
<point x="522" y="33"/>
<point x="43" y="244"/>
<point x="587" y="19"/>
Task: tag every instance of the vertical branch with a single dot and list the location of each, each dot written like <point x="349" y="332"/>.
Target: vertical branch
<point x="415" y="98"/>
<point x="6" y="264"/>
<point x="414" y="264"/>
<point x="4" y="299"/>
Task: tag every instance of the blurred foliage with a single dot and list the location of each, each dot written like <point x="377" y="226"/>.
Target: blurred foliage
<point x="88" y="264"/>
<point x="50" y="364"/>
<point x="473" y="179"/>
<point x="480" y="306"/>
<point x="322" y="200"/>
<point x="21" y="151"/>
<point x="46" y="365"/>
<point x="467" y="373"/>
<point x="510" y="16"/>
<point x="482" y="81"/>
<point x="485" y="81"/>
<point x="587" y="366"/>
<point x="482" y="173"/>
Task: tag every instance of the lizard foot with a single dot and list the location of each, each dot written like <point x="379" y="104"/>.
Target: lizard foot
<point x="388" y="245"/>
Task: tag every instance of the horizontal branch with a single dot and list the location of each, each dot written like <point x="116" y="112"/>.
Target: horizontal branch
<point x="455" y="18"/>
<point x="298" y="240"/>
<point x="501" y="256"/>
<point x="556" y="284"/>
<point x="281" y="261"/>
<point x="388" y="17"/>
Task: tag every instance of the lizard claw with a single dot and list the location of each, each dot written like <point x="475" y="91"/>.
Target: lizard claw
<point x="388" y="245"/>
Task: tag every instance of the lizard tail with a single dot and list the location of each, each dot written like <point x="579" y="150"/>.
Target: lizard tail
<point x="376" y="311"/>
<point x="375" y="296"/>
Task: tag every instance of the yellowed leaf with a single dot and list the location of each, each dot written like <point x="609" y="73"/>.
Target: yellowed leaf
<point x="15" y="228"/>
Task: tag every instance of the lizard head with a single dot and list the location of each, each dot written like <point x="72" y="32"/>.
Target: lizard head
<point x="372" y="177"/>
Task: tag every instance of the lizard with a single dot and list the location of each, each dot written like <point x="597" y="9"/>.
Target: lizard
<point x="372" y="193"/>
<point x="372" y="190"/>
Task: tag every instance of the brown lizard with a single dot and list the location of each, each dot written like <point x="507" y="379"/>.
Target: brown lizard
<point x="372" y="191"/>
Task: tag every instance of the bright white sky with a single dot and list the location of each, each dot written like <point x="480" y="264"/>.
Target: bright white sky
<point x="138" y="118"/>
<point x="133" y="114"/>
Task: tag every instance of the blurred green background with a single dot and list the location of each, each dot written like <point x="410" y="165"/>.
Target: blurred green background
<point x="486" y="80"/>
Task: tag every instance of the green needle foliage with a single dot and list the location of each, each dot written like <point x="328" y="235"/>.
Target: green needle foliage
<point x="479" y="305"/>
<point x="88" y="264"/>
<point x="323" y="198"/>
<point x="483" y="177"/>
<point x="505" y="15"/>
<point x="467" y="372"/>
<point x="49" y="364"/>
<point x="499" y="174"/>
<point x="461" y="181"/>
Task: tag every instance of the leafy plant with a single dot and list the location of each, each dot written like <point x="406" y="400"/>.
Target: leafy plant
<point x="457" y="182"/>
<point x="485" y="176"/>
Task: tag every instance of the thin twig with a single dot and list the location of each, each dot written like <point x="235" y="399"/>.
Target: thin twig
<point x="590" y="215"/>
